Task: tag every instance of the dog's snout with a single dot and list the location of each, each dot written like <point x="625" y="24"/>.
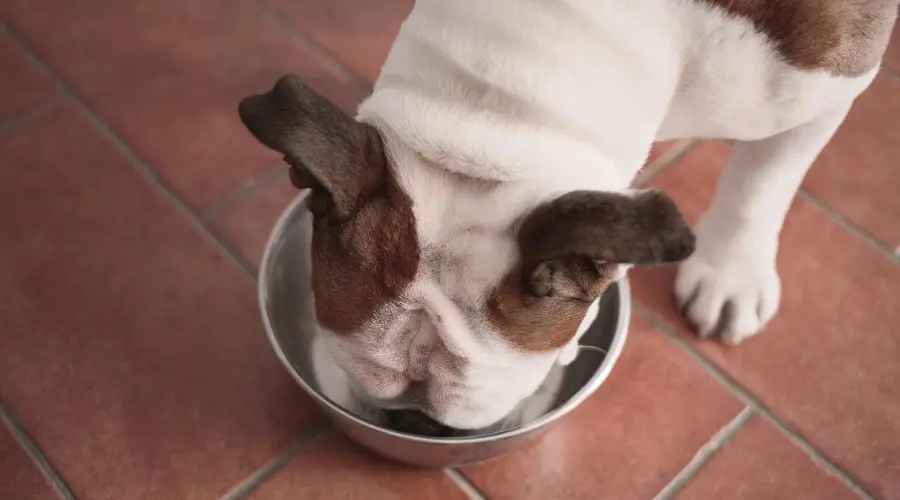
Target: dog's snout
<point x="416" y="422"/>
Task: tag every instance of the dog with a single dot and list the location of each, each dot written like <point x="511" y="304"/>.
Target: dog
<point x="479" y="203"/>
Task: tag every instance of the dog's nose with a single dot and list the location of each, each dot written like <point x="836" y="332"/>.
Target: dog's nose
<point x="416" y="422"/>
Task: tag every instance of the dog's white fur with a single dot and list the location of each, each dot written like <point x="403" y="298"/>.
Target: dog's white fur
<point x="489" y="108"/>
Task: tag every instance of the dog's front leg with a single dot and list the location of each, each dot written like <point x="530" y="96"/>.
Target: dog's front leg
<point x="730" y="287"/>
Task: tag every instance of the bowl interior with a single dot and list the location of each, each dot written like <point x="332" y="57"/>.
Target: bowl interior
<point x="288" y="311"/>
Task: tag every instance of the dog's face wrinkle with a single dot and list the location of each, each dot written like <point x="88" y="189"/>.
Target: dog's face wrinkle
<point x="411" y="369"/>
<point x="424" y="374"/>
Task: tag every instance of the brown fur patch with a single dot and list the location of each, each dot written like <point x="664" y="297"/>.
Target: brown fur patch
<point x="365" y="249"/>
<point x="842" y="37"/>
<point x="364" y="262"/>
<point x="570" y="249"/>
<point x="539" y="324"/>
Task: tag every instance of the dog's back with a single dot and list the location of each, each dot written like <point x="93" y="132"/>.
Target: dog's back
<point x="618" y="75"/>
<point x="841" y="37"/>
<point x="752" y="68"/>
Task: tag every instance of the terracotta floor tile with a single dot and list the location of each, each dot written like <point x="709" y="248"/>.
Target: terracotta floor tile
<point x="246" y="224"/>
<point x="654" y="161"/>
<point x="892" y="56"/>
<point x="628" y="440"/>
<point x="760" y="463"/>
<point x="19" y="477"/>
<point x="133" y="351"/>
<point x="827" y="363"/>
<point x="352" y="30"/>
<point x="337" y="469"/>
<point x="857" y="173"/>
<point x="168" y="75"/>
<point x="691" y="180"/>
<point x="23" y="85"/>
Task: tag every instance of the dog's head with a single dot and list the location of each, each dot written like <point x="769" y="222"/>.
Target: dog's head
<point x="439" y="293"/>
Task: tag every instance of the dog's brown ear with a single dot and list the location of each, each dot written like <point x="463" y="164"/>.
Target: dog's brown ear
<point x="328" y="151"/>
<point x="570" y="246"/>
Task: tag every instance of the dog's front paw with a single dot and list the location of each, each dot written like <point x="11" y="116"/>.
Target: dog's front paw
<point x="729" y="288"/>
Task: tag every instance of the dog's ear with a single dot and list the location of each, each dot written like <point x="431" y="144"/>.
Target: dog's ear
<point x="572" y="245"/>
<point x="340" y="159"/>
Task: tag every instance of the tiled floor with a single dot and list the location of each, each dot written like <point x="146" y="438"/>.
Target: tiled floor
<point x="133" y="364"/>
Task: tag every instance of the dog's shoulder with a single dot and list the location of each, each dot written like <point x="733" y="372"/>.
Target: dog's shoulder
<point x="842" y="37"/>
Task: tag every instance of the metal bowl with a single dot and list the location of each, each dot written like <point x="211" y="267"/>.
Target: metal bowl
<point x="288" y="313"/>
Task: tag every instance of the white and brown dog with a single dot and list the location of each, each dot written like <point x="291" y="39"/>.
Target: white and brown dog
<point x="479" y="204"/>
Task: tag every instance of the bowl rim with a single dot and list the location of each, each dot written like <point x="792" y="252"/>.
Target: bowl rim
<point x="612" y="356"/>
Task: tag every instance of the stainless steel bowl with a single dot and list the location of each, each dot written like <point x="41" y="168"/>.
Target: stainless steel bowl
<point x="288" y="309"/>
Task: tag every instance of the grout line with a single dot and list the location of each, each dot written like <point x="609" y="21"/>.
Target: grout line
<point x="326" y="58"/>
<point x="320" y="52"/>
<point x="34" y="452"/>
<point x="464" y="484"/>
<point x="268" y="470"/>
<point x="817" y="457"/>
<point x="748" y="399"/>
<point x="32" y="113"/>
<point x="679" y="150"/>
<point x="145" y="170"/>
<point x="7" y="30"/>
<point x="845" y="222"/>
<point x="139" y="164"/>
<point x="706" y="452"/>
<point x="243" y="192"/>
<point x="647" y="173"/>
